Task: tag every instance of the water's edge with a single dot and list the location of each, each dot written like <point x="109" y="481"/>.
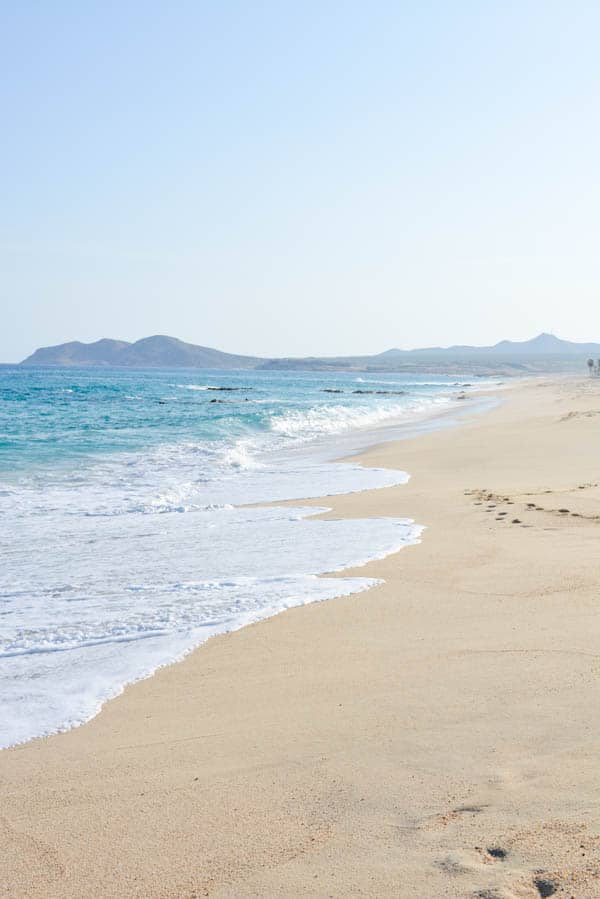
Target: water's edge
<point x="334" y="584"/>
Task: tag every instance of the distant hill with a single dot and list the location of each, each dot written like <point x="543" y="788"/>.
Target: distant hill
<point x="542" y="353"/>
<point x="542" y="345"/>
<point x="150" y="352"/>
<point x="102" y="352"/>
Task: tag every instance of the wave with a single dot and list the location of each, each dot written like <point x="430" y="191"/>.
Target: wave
<point x="240" y="456"/>
<point x="255" y="457"/>
<point x="224" y="387"/>
<point x="414" y="385"/>
<point x="324" y="420"/>
<point x="88" y="623"/>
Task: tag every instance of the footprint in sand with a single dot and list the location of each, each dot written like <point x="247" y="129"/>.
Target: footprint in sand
<point x="476" y="863"/>
<point x="492" y="894"/>
<point x="445" y="818"/>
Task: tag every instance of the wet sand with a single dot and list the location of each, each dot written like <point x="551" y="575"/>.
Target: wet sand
<point x="436" y="736"/>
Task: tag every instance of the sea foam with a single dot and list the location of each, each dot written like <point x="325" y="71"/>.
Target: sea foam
<point x="102" y="607"/>
<point x="126" y="529"/>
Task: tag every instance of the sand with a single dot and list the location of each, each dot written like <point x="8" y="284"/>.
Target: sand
<point x="436" y="736"/>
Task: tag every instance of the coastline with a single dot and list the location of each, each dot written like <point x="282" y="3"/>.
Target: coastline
<point x="206" y="576"/>
<point x="379" y="743"/>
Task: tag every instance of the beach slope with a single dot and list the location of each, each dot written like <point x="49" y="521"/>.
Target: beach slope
<point x="436" y="736"/>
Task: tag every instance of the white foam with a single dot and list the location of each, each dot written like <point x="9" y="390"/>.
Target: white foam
<point x="326" y="420"/>
<point x="101" y="608"/>
<point x="187" y="477"/>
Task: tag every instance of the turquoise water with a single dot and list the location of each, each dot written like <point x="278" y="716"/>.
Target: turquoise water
<point x="124" y="535"/>
<point x="48" y="416"/>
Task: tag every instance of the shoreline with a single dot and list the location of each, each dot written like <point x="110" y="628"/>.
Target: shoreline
<point x="378" y="743"/>
<point x="323" y="451"/>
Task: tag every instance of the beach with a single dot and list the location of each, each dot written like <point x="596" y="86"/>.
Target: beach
<point x="434" y="736"/>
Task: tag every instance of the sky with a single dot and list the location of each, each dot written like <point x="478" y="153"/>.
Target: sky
<point x="283" y="178"/>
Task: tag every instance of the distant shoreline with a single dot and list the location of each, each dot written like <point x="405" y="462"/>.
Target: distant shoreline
<point x="544" y="353"/>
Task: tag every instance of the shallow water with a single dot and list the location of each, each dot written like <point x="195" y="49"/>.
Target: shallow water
<point x="123" y="541"/>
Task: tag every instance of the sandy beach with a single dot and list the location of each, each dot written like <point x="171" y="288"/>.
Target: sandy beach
<point x="435" y="736"/>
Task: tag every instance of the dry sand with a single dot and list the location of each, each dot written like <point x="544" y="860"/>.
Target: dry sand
<point x="435" y="736"/>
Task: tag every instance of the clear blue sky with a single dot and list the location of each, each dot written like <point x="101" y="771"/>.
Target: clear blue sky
<point x="296" y="178"/>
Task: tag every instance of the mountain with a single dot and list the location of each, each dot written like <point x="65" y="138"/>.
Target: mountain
<point x="102" y="352"/>
<point x="168" y="352"/>
<point x="150" y="352"/>
<point x="542" y="353"/>
<point x="542" y="345"/>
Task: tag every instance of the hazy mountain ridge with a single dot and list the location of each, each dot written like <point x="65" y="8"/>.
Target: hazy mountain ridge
<point x="157" y="351"/>
<point x="543" y="352"/>
<point x="543" y="344"/>
<point x="102" y="352"/>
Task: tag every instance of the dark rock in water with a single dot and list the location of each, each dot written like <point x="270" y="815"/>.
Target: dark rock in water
<point x="230" y="388"/>
<point x="218" y="401"/>
<point x="382" y="392"/>
<point x="162" y="402"/>
<point x="461" y="396"/>
<point x="331" y="390"/>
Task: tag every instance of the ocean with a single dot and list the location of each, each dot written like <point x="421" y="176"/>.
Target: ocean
<point x="125" y="535"/>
